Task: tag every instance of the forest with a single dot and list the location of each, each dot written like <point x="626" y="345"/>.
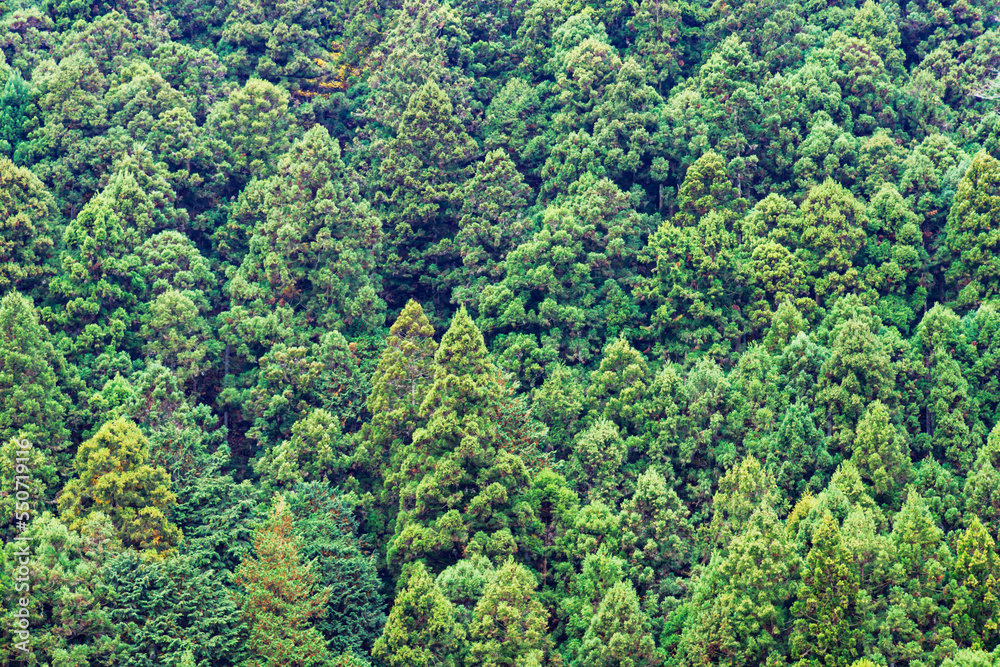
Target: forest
<point x="500" y="333"/>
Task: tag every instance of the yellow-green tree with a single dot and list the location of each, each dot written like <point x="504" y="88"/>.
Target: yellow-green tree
<point x="113" y="477"/>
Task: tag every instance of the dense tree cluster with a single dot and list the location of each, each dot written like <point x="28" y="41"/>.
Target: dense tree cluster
<point x="583" y="333"/>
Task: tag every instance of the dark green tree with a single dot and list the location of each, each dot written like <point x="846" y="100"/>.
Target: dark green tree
<point x="422" y="175"/>
<point x="970" y="234"/>
<point x="165" y="610"/>
<point x="344" y="565"/>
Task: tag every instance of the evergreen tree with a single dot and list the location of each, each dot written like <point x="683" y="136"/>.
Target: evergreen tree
<point x="32" y="402"/>
<point x="980" y="494"/>
<point x="114" y="477"/>
<point x="69" y="619"/>
<point x="421" y="630"/>
<point x="315" y="243"/>
<point x="830" y="603"/>
<point x="975" y="614"/>
<point x="248" y="130"/>
<point x="858" y="371"/>
<point x="492" y="222"/>
<point x="916" y="603"/>
<point x="97" y="289"/>
<point x="742" y="490"/>
<point x="595" y="467"/>
<point x="618" y="635"/>
<point x="739" y="605"/>
<point x="399" y="385"/>
<point x="426" y="42"/>
<point x="970" y="234"/>
<point x="281" y="598"/>
<point x="344" y="565"/>
<point x="28" y="215"/>
<point x="422" y="175"/>
<point x="881" y="452"/>
<point x="509" y="625"/>
<point x="458" y="481"/>
<point x="567" y="290"/>
<point x="16" y="100"/>
<point x="165" y="611"/>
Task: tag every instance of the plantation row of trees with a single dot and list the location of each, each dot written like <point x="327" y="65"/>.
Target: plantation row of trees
<point x="550" y="332"/>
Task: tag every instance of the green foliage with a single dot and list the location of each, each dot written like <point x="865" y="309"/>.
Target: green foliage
<point x="425" y="167"/>
<point x="344" y="565"/>
<point x="68" y="618"/>
<point x="829" y="604"/>
<point x="32" y="402"/>
<point x="314" y="244"/>
<point x="421" y="628"/>
<point x="694" y="264"/>
<point x="509" y="625"/>
<point x="172" y="610"/>
<point x="113" y="477"/>
<point x="880" y="452"/>
<point x="739" y="605"/>
<point x="29" y="217"/>
<point x="618" y="634"/>
<point x="971" y="232"/>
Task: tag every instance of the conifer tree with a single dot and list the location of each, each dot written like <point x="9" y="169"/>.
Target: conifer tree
<point x="828" y="609"/>
<point x="27" y="225"/>
<point x="281" y="598"/>
<point x="975" y="617"/>
<point x="567" y="290"/>
<point x="657" y="534"/>
<point x="458" y="480"/>
<point x="739" y="606"/>
<point x="399" y="384"/>
<point x="423" y="172"/>
<point x="833" y="232"/>
<point x="950" y="411"/>
<point x="599" y="572"/>
<point x="618" y="635"/>
<point x="509" y="625"/>
<point x="618" y="387"/>
<point x="425" y="43"/>
<point x="69" y="617"/>
<point x="881" y="452"/>
<point x="971" y="233"/>
<point x="314" y="244"/>
<point x="742" y="490"/>
<point x="164" y="611"/>
<point x="492" y="222"/>
<point x="595" y="467"/>
<point x="249" y="129"/>
<point x="421" y="630"/>
<point x="858" y="371"/>
<point x="342" y="561"/>
<point x="113" y="476"/>
<point x="32" y="402"/>
<point x="921" y="561"/>
<point x="16" y="114"/>
<point x="981" y="494"/>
